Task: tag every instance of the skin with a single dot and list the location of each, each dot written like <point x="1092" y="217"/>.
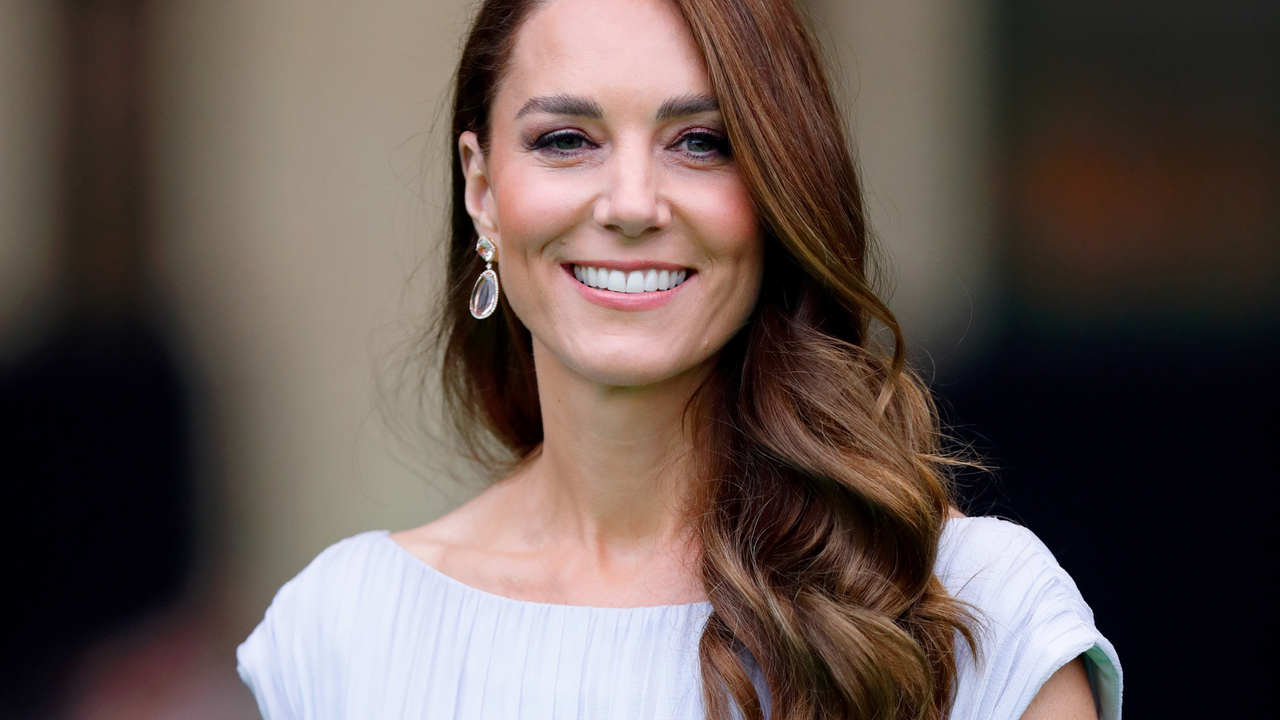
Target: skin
<point x="1064" y="696"/>
<point x="633" y="171"/>
<point x="597" y="517"/>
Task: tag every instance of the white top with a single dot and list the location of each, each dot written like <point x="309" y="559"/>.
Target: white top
<point x="368" y="631"/>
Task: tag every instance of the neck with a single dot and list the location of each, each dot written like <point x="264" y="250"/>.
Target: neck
<point x="615" y="470"/>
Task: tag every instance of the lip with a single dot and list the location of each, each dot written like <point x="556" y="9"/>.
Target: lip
<point x="625" y="265"/>
<point x="629" y="302"/>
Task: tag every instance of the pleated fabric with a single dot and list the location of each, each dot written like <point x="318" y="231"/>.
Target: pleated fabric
<point x="1033" y="621"/>
<point x="368" y="631"/>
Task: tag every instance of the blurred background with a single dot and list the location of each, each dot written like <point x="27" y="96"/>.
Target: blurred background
<point x="219" y="224"/>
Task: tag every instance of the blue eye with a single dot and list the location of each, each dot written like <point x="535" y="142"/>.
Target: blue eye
<point x="705" y="144"/>
<point x="700" y="145"/>
<point x="564" y="141"/>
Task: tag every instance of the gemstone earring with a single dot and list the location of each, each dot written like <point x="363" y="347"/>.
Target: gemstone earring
<point x="484" y="296"/>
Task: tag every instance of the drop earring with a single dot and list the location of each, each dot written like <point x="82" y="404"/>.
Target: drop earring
<point x="484" y="296"/>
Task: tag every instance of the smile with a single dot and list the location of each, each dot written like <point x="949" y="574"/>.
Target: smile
<point x="634" y="281"/>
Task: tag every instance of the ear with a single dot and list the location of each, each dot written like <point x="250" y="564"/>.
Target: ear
<point x="478" y="195"/>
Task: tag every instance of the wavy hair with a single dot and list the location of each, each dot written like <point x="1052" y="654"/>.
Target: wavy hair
<point x="824" y="487"/>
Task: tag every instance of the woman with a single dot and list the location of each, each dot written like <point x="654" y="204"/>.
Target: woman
<point x="727" y="502"/>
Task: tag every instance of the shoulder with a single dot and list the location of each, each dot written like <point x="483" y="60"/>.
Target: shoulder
<point x="1031" y="619"/>
<point x="980" y="556"/>
<point x="343" y="576"/>
<point x="306" y="631"/>
<point x="1008" y="577"/>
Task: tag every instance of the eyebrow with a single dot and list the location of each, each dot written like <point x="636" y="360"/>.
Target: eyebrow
<point x="579" y="106"/>
<point x="687" y="105"/>
<point x="563" y="105"/>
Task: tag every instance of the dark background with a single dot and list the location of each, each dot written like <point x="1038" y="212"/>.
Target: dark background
<point x="1128" y="402"/>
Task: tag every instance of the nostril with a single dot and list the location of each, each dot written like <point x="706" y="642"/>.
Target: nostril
<point x="632" y="215"/>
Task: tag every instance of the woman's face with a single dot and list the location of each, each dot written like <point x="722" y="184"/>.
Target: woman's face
<point x="627" y="241"/>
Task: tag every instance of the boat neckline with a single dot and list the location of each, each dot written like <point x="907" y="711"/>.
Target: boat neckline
<point x="471" y="589"/>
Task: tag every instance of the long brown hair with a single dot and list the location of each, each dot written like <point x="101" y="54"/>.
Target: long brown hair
<point x="825" y="490"/>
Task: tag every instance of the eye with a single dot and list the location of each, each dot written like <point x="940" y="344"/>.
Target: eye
<point x="566" y="142"/>
<point x="561" y="141"/>
<point x="703" y="144"/>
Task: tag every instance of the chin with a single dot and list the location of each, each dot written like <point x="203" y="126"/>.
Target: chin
<point x="636" y="365"/>
<point x="628" y="377"/>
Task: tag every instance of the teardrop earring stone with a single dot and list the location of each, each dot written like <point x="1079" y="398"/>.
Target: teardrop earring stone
<point x="484" y="295"/>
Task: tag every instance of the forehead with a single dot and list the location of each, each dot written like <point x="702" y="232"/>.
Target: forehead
<point x="609" y="50"/>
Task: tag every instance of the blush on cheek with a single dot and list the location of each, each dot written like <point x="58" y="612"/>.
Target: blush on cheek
<point x="727" y="220"/>
<point x="535" y="206"/>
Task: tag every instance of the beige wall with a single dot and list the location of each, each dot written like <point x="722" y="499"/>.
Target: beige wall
<point x="291" y="137"/>
<point x="28" y="111"/>
<point x="918" y="74"/>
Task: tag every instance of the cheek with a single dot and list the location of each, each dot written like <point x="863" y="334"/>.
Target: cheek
<point x="532" y="212"/>
<point x="533" y="208"/>
<point x="724" y="216"/>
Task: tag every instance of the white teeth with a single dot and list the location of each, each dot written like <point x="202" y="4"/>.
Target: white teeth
<point x="635" y="281"/>
<point x="617" y="281"/>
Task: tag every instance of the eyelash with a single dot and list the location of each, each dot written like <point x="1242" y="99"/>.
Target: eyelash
<point x="546" y="141"/>
<point x="719" y="142"/>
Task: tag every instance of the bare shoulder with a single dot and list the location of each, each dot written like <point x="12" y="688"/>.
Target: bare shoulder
<point x="429" y="542"/>
<point x="461" y="531"/>
<point x="484" y="544"/>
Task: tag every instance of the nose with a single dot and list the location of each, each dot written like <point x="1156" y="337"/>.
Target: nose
<point x="631" y="203"/>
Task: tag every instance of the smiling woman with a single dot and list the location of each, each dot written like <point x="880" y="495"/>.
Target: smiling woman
<point x="725" y="499"/>
<point x="611" y="160"/>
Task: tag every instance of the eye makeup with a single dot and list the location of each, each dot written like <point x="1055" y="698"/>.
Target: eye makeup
<point x="563" y="142"/>
<point x="700" y="145"/>
<point x="704" y="145"/>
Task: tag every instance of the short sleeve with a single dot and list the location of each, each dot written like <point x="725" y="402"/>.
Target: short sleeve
<point x="1032" y="621"/>
<point x="258" y="662"/>
<point x="292" y="659"/>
